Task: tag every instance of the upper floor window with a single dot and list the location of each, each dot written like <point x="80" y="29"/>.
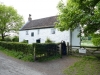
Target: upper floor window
<point x="27" y="32"/>
<point x="52" y="31"/>
<point x="32" y="34"/>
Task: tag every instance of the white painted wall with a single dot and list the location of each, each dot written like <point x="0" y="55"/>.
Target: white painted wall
<point x="43" y="35"/>
<point x="46" y="33"/>
<point x="75" y="38"/>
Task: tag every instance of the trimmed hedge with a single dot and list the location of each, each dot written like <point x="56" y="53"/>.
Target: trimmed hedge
<point x="46" y="49"/>
<point x="41" y="50"/>
<point x="21" y="47"/>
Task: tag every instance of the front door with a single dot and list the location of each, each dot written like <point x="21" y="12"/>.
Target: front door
<point x="38" y="41"/>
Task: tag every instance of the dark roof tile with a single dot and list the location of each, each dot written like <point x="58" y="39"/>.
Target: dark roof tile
<point x="40" y="23"/>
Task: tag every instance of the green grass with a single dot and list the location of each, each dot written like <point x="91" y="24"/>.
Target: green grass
<point x="87" y="43"/>
<point x="88" y="65"/>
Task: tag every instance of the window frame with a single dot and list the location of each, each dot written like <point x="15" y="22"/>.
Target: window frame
<point x="53" y="31"/>
<point x="32" y="34"/>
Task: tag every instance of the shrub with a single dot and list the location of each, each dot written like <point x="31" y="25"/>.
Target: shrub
<point x="25" y="41"/>
<point x="19" y="55"/>
<point x="48" y="41"/>
<point x="20" y="47"/>
<point x="46" y="49"/>
<point x="15" y="39"/>
<point x="7" y="39"/>
<point x="96" y="39"/>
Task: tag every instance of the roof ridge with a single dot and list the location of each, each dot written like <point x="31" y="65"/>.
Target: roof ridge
<point x="44" y="18"/>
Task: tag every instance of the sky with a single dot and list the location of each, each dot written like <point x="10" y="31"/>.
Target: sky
<point x="37" y="8"/>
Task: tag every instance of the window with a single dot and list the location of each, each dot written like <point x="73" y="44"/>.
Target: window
<point x="27" y="32"/>
<point x="52" y="31"/>
<point x="32" y="34"/>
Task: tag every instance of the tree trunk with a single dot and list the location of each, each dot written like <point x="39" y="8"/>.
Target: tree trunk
<point x="2" y="37"/>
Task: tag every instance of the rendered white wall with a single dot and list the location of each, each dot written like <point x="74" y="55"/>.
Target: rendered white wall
<point x="43" y="35"/>
<point x="75" y="38"/>
<point x="46" y="33"/>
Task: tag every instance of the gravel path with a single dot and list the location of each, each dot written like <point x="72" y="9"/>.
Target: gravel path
<point x="12" y="66"/>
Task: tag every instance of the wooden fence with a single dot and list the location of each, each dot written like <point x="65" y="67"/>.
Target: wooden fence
<point x="90" y="50"/>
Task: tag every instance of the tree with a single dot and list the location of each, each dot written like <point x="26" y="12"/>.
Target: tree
<point x="10" y="20"/>
<point x="79" y="12"/>
<point x="96" y="39"/>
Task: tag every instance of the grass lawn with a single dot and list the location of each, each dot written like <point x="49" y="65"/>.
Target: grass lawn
<point x="86" y="43"/>
<point x="88" y="65"/>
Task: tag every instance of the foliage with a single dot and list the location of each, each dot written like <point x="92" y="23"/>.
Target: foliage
<point x="86" y="43"/>
<point x="10" y="20"/>
<point x="79" y="12"/>
<point x="45" y="49"/>
<point x="96" y="35"/>
<point x="87" y="66"/>
<point x="18" y="47"/>
<point x="24" y="41"/>
<point x="86" y="38"/>
<point x="8" y="39"/>
<point x="19" y="55"/>
<point x="96" y="39"/>
<point x="25" y="52"/>
<point x="15" y="39"/>
<point x="48" y="41"/>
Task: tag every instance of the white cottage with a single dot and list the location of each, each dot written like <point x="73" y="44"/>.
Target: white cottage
<point x="40" y="29"/>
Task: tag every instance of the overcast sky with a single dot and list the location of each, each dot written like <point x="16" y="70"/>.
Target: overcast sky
<point x="37" y="8"/>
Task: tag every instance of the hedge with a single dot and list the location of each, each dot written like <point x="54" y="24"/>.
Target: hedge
<point x="41" y="49"/>
<point x="21" y="47"/>
<point x="46" y="49"/>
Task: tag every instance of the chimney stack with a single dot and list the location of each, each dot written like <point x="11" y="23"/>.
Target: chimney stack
<point x="29" y="19"/>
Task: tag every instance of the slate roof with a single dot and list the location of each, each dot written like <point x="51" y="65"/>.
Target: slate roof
<point x="40" y="23"/>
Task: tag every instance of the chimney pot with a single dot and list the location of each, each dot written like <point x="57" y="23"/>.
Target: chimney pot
<point x="29" y="19"/>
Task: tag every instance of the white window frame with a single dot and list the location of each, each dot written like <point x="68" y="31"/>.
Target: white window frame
<point x="53" y="31"/>
<point x="32" y="34"/>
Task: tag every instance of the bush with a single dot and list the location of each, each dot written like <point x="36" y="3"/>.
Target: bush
<point x="25" y="41"/>
<point x="48" y="41"/>
<point x="96" y="41"/>
<point x="19" y="55"/>
<point x="46" y="49"/>
<point x="20" y="47"/>
<point x="26" y="51"/>
<point x="15" y="39"/>
<point x="7" y="39"/>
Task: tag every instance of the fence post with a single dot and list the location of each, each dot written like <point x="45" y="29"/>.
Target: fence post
<point x="67" y="48"/>
<point x="60" y="50"/>
<point x="70" y="49"/>
<point x="34" y="54"/>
